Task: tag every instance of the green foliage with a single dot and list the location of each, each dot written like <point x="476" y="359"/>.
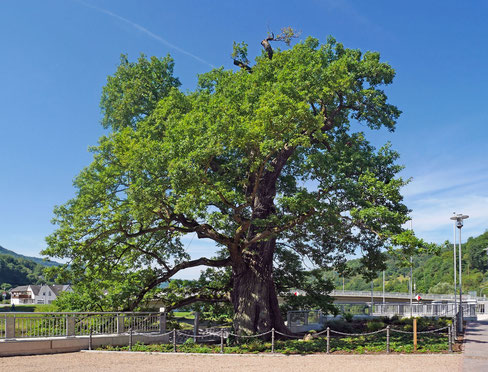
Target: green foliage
<point x="476" y="254"/>
<point x="41" y="261"/>
<point x="15" y="271"/>
<point x="375" y="326"/>
<point x="399" y="343"/>
<point x="239" y="52"/>
<point x="442" y="288"/>
<point x="432" y="270"/>
<point x="134" y="91"/>
<point x="348" y="317"/>
<point x="287" y="34"/>
<point x="246" y="160"/>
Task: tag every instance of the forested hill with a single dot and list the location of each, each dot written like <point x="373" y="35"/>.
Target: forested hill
<point x="40" y="261"/>
<point x="16" y="271"/>
<point x="431" y="273"/>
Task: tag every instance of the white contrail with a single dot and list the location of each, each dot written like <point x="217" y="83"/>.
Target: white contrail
<point x="146" y="31"/>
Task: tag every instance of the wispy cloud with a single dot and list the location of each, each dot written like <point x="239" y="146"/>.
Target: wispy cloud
<point x="445" y="180"/>
<point x="145" y="31"/>
<point x="434" y="195"/>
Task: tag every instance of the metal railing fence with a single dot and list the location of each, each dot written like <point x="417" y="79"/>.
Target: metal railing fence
<point x="35" y="325"/>
<point x="302" y="318"/>
<point x="379" y="294"/>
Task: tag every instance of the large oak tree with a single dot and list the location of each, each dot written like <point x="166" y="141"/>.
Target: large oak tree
<point x="262" y="159"/>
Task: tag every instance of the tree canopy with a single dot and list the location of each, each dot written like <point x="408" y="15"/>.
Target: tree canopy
<point x="270" y="161"/>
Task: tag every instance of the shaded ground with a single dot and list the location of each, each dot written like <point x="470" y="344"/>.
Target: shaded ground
<point x="106" y="361"/>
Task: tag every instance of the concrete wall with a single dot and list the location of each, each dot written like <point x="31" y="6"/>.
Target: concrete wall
<point x="69" y="344"/>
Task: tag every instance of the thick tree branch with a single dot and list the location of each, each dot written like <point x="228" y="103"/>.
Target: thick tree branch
<point x="267" y="46"/>
<point x="203" y="261"/>
<point x="237" y="209"/>
<point x="263" y="235"/>
<point x="200" y="298"/>
<point x="203" y="230"/>
<point x="158" y="259"/>
<point x="243" y="66"/>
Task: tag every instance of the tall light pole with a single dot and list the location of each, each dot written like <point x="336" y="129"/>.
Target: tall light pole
<point x="459" y="224"/>
<point x="411" y="278"/>
<point x="383" y="287"/>
<point x="411" y="285"/>
<point x="372" y="298"/>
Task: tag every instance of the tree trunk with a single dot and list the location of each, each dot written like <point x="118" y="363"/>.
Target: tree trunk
<point x="254" y="296"/>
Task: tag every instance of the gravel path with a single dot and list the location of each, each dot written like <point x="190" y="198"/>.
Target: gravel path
<point x="146" y="362"/>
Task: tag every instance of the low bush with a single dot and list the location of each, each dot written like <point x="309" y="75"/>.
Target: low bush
<point x="376" y="343"/>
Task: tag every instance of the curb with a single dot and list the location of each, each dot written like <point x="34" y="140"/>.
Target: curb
<point x="262" y="355"/>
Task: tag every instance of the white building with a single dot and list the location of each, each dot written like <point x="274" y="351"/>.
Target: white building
<point x="37" y="294"/>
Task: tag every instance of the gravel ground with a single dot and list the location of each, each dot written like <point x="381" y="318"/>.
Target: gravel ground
<point x="142" y="362"/>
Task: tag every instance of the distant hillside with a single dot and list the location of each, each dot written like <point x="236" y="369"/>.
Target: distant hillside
<point x="16" y="271"/>
<point x="37" y="260"/>
<point x="432" y="273"/>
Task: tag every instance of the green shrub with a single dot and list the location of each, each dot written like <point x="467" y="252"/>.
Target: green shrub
<point x="348" y="317"/>
<point x="375" y="326"/>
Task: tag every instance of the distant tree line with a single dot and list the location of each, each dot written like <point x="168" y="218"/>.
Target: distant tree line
<point x="432" y="272"/>
<point x="19" y="271"/>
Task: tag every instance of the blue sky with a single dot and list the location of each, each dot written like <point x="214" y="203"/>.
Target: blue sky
<point x="56" y="55"/>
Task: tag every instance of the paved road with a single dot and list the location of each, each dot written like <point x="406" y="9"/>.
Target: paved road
<point x="476" y="347"/>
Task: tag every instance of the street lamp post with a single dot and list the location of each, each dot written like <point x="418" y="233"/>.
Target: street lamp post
<point x="383" y="287"/>
<point x="459" y="224"/>
<point x="454" y="260"/>
<point x="411" y="285"/>
<point x="411" y="278"/>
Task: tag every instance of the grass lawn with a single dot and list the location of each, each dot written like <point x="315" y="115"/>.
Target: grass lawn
<point x="34" y="308"/>
<point x="184" y="314"/>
